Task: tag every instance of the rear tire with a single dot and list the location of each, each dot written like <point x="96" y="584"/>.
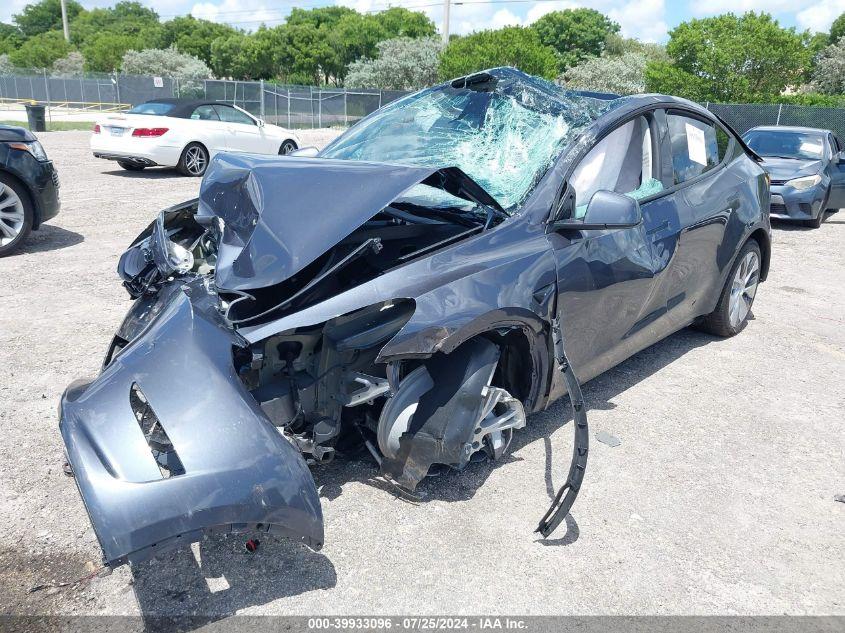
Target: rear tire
<point x="130" y="166"/>
<point x="193" y="161"/>
<point x="731" y="314"/>
<point x="16" y="214"/>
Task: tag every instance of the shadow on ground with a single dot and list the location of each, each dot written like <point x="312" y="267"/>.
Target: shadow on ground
<point x="147" y="173"/>
<point x="217" y="577"/>
<point x="49" y="238"/>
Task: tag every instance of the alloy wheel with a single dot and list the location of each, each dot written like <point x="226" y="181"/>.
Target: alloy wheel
<point x="287" y="148"/>
<point x="743" y="288"/>
<point x="12" y="216"/>
<point x="195" y="160"/>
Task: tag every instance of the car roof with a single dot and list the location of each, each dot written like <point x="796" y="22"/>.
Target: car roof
<point x="788" y="128"/>
<point x="183" y="108"/>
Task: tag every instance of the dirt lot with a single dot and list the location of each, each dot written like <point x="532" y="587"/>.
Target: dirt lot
<point x="720" y="499"/>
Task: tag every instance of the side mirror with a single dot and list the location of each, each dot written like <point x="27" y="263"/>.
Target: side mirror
<point x="606" y="210"/>
<point x="840" y="158"/>
<point x="305" y="152"/>
<point x="259" y="122"/>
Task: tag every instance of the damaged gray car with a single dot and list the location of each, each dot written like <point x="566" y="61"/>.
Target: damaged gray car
<point x="455" y="261"/>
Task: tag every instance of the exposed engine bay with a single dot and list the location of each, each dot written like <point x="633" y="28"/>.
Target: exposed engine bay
<point x="322" y="385"/>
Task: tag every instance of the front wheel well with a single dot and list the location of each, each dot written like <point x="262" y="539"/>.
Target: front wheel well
<point x="764" y="242"/>
<point x="516" y="371"/>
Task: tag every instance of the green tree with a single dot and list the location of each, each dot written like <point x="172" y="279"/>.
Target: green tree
<point x="305" y="55"/>
<point x="104" y="53"/>
<point x="403" y="63"/>
<point x="125" y="18"/>
<point x="731" y="58"/>
<point x="575" y="34"/>
<point x="510" y="46"/>
<point x="40" y="51"/>
<point x="837" y="29"/>
<point x="168" y="62"/>
<point x="400" y="22"/>
<point x="621" y="74"/>
<point x="829" y="73"/>
<point x="72" y="65"/>
<point x="192" y="36"/>
<point x="10" y="38"/>
<point x="45" y="16"/>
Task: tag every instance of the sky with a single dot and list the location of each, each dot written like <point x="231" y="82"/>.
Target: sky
<point x="648" y="20"/>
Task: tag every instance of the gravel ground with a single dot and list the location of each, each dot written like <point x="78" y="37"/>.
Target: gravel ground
<point x="719" y="500"/>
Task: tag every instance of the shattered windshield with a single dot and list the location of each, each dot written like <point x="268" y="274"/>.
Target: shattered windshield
<point x="502" y="127"/>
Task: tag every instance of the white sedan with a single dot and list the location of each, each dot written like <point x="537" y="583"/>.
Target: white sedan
<point x="185" y="134"/>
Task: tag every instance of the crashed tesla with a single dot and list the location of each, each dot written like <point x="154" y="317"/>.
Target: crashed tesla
<point x="455" y="261"/>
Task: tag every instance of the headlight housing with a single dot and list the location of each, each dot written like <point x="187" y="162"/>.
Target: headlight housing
<point x="805" y="182"/>
<point x="33" y="147"/>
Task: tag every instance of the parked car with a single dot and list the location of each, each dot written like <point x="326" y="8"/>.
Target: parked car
<point x="428" y="280"/>
<point x="807" y="169"/>
<point x="29" y="186"/>
<point x="185" y="134"/>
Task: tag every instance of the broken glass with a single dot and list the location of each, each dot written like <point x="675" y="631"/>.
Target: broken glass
<point x="504" y="130"/>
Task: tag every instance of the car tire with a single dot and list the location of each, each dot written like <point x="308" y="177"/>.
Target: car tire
<point x="130" y="166"/>
<point x="731" y="314"/>
<point x="287" y="147"/>
<point x="817" y="222"/>
<point x="16" y="214"/>
<point x="193" y="161"/>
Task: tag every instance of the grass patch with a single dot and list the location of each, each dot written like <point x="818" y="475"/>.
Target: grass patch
<point x="56" y="126"/>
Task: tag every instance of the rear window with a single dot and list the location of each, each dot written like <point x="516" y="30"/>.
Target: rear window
<point x="152" y="107"/>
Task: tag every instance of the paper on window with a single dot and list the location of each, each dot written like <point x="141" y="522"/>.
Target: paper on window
<point x="696" y="145"/>
<point x="811" y="148"/>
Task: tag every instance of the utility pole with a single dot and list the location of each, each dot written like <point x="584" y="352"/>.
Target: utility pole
<point x="64" y="21"/>
<point x="445" y="22"/>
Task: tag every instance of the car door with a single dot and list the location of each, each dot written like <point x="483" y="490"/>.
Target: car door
<point x="244" y="134"/>
<point x="836" y="170"/>
<point x="606" y="277"/>
<point x="206" y="127"/>
<point x="696" y="213"/>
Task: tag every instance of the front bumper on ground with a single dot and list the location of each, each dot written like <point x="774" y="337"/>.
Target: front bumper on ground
<point x="239" y="472"/>
<point x="790" y="204"/>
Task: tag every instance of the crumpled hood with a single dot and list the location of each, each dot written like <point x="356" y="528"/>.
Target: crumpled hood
<point x="788" y="168"/>
<point x="282" y="213"/>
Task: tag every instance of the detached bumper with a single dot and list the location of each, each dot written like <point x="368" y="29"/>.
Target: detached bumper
<point x="790" y="204"/>
<point x="237" y="473"/>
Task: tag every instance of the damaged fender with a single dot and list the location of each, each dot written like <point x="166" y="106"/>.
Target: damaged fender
<point x="235" y="471"/>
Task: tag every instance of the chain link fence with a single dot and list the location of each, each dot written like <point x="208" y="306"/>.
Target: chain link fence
<point x="744" y="116"/>
<point x="308" y="106"/>
<point x="286" y="105"/>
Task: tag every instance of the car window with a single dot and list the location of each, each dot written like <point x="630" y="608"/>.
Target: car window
<point x="623" y="161"/>
<point x="695" y="147"/>
<point x="786" y="143"/>
<point x="837" y="146"/>
<point x="205" y="113"/>
<point x="723" y="141"/>
<point x="230" y="115"/>
<point x="152" y="107"/>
